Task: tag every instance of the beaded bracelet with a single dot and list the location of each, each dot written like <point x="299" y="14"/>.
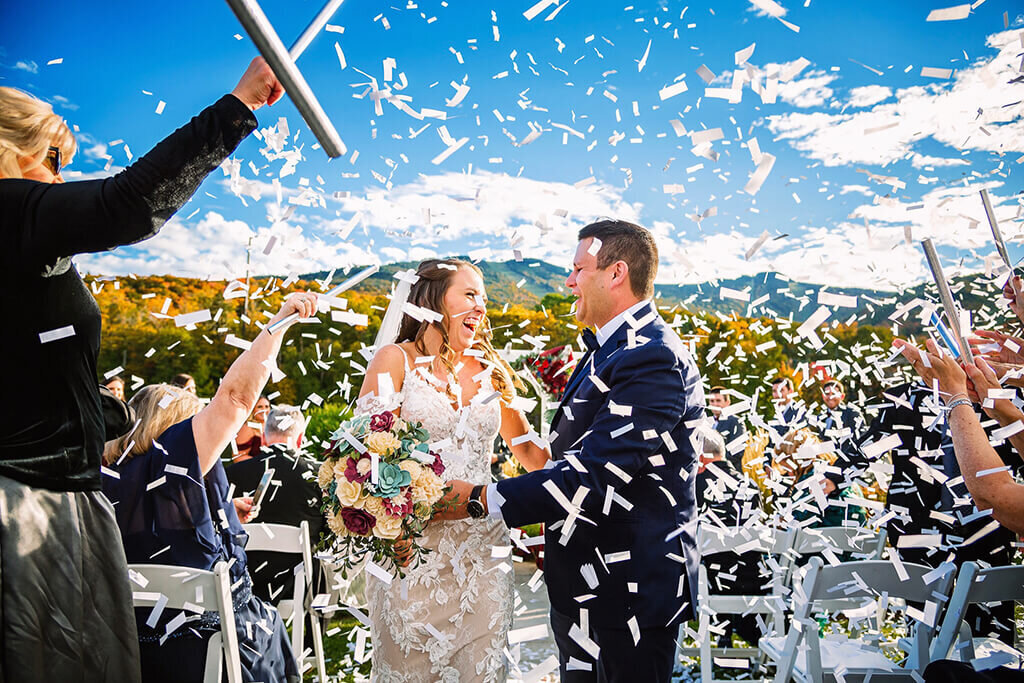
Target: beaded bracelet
<point x="958" y="402"/>
<point x="955" y="397"/>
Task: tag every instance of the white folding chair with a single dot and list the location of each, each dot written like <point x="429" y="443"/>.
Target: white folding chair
<point x="832" y="541"/>
<point x="293" y="540"/>
<point x="710" y="541"/>
<point x="975" y="585"/>
<point x="859" y="589"/>
<point x="194" y="590"/>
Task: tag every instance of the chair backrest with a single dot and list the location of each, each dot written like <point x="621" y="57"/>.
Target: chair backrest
<point x="283" y="538"/>
<point x="975" y="585"/>
<point x="760" y="538"/>
<point x="841" y="539"/>
<point x="185" y="588"/>
<point x="849" y="585"/>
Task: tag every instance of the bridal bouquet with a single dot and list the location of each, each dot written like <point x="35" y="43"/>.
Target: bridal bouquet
<point x="381" y="483"/>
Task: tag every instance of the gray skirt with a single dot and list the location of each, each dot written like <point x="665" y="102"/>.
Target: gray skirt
<point x="65" y="600"/>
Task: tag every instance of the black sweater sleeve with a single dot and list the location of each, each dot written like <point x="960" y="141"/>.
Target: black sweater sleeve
<point x="42" y="222"/>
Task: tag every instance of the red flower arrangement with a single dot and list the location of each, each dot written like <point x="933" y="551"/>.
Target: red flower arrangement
<point x="553" y="368"/>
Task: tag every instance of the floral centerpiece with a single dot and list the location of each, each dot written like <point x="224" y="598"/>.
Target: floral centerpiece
<point x="381" y="483"/>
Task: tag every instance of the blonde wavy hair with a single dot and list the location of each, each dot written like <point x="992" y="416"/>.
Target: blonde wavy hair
<point x="152" y="419"/>
<point x="786" y="460"/>
<point x="29" y="127"/>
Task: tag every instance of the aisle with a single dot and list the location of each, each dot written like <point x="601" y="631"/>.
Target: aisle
<point x="533" y="652"/>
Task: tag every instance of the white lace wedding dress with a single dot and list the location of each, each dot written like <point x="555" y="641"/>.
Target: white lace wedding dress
<point x="449" y="618"/>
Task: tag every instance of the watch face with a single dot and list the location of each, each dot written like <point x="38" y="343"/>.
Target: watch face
<point x="475" y="509"/>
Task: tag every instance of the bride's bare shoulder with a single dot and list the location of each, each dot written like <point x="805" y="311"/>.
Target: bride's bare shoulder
<point x="388" y="360"/>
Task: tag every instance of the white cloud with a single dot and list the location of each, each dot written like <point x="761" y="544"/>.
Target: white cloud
<point x="439" y="214"/>
<point x="812" y="91"/>
<point x="65" y="103"/>
<point x="922" y="160"/>
<point x="27" y="65"/>
<point x="215" y="248"/>
<point x="952" y="216"/>
<point x="946" y="112"/>
<point x="538" y="217"/>
<point x="868" y="95"/>
<point x="862" y="189"/>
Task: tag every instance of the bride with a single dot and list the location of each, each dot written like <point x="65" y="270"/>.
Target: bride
<point x="448" y="619"/>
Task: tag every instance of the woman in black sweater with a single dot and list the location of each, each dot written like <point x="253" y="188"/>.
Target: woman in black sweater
<point x="65" y="600"/>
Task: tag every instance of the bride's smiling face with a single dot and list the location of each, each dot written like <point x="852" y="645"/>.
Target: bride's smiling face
<point x="465" y="305"/>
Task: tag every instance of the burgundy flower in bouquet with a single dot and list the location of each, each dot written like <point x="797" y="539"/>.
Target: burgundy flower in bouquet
<point x="382" y="422"/>
<point x="359" y="522"/>
<point x="437" y="466"/>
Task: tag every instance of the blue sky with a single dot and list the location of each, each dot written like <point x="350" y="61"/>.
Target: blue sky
<point x="870" y="154"/>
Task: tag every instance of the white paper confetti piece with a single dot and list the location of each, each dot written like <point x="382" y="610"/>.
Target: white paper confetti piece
<point x="531" y="13"/>
<point x="760" y="174"/>
<point x="672" y="90"/>
<point x="59" y="333"/>
<point x="949" y="13"/>
<point x="379" y="572"/>
<point x="527" y="633"/>
<point x="933" y="72"/>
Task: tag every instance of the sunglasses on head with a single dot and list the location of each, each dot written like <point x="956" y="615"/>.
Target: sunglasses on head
<point x="53" y="160"/>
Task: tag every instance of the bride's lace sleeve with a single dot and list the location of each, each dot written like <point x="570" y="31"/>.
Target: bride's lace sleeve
<point x="371" y="404"/>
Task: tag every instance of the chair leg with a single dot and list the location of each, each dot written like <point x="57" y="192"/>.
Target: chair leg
<point x="214" y="660"/>
<point x="318" y="647"/>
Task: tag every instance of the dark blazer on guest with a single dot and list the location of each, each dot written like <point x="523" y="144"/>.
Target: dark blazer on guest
<point x="624" y="424"/>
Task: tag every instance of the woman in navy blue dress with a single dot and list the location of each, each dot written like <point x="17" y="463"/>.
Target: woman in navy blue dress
<point x="173" y="506"/>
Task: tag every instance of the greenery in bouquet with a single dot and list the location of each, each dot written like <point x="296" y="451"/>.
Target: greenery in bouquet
<point x="367" y="517"/>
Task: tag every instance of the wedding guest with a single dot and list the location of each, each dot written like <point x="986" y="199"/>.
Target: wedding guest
<point x="184" y="381"/>
<point x="730" y="427"/>
<point x="840" y="423"/>
<point x="171" y="497"/>
<point x="294" y="495"/>
<point x="66" y="601"/>
<point x="250" y="436"/>
<point x="927" y="495"/>
<point x="985" y="474"/>
<point x="116" y="386"/>
<point x="726" y="500"/>
<point x="799" y="468"/>
<point x="790" y="412"/>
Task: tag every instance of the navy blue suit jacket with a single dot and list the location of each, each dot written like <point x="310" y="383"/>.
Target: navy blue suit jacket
<point x="628" y="429"/>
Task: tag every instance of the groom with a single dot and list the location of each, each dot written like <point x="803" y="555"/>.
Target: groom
<point x="618" y="501"/>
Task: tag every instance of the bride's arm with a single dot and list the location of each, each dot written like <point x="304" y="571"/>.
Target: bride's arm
<point x="389" y="360"/>
<point x="513" y="426"/>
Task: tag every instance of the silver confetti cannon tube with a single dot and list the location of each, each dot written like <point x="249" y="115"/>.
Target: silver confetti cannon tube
<point x="273" y="328"/>
<point x="946" y="296"/>
<point x="256" y="24"/>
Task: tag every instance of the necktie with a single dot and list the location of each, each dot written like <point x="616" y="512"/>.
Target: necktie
<point x="590" y="339"/>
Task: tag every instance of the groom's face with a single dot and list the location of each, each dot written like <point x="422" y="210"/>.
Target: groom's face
<point x="590" y="285"/>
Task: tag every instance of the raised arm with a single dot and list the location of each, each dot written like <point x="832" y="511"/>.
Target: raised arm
<point x="216" y="424"/>
<point x="984" y="473"/>
<point x="43" y="222"/>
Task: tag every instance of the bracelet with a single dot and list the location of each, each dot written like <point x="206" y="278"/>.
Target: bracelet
<point x="958" y="402"/>
<point x="955" y="396"/>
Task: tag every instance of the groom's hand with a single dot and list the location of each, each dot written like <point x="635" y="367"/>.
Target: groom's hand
<point x="455" y="500"/>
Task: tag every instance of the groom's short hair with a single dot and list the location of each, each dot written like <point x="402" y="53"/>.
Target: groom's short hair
<point x="625" y="241"/>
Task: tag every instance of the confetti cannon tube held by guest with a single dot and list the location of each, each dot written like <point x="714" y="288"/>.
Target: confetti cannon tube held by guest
<point x="52" y="435"/>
